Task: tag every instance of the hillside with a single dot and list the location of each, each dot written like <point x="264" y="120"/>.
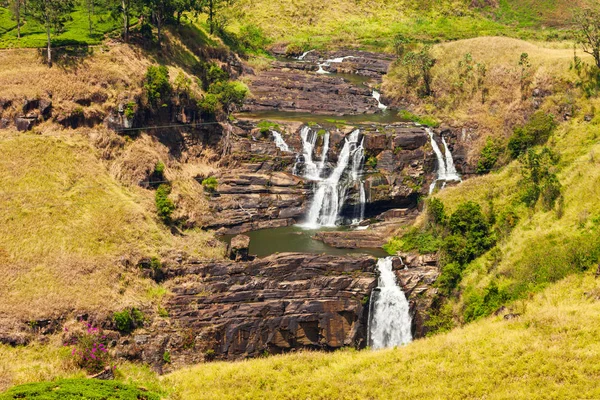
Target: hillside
<point x="460" y="137"/>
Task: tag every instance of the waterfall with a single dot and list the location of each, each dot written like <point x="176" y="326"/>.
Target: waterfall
<point x="327" y="63"/>
<point x="362" y="200"/>
<point x="309" y="139"/>
<point x="304" y="55"/>
<point x="377" y="96"/>
<point x="324" y="152"/>
<point x="330" y="193"/>
<point x="389" y="312"/>
<point x="280" y="142"/>
<point x="446" y="171"/>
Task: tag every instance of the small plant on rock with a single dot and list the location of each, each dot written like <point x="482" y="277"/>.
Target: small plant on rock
<point x="89" y="349"/>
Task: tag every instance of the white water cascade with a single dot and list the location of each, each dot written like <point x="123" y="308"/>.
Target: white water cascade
<point x="304" y="55"/>
<point x="280" y="142"/>
<point x="389" y="312"/>
<point x="331" y="193"/>
<point x="312" y="171"/>
<point x="377" y="96"/>
<point x="327" y="63"/>
<point x="446" y="171"/>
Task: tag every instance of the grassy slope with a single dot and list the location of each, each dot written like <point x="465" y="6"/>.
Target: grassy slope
<point x="373" y="24"/>
<point x="550" y="352"/>
<point x="76" y="31"/>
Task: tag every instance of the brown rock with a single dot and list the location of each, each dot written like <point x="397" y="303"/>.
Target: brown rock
<point x="239" y="248"/>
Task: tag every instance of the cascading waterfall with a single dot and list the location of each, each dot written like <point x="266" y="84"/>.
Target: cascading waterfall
<point x="446" y="171"/>
<point x="280" y="142"/>
<point x="389" y="311"/>
<point x="309" y="140"/>
<point x="377" y="96"/>
<point x="327" y="63"/>
<point x="304" y="55"/>
<point x="331" y="193"/>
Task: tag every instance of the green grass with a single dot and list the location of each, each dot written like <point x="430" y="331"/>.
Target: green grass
<point x="76" y="32"/>
<point x="71" y="389"/>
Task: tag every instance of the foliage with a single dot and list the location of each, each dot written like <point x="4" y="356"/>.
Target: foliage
<point x="159" y="168"/>
<point x="75" y="389"/>
<point x="436" y="211"/>
<point x="489" y="157"/>
<point x="157" y="85"/>
<point x="89" y="349"/>
<point x="267" y="126"/>
<point x="210" y="184"/>
<point x="480" y="305"/>
<point x="535" y="132"/>
<point x="223" y="95"/>
<point x="422" y="241"/>
<point x="52" y="15"/>
<point x="167" y="357"/>
<point x="164" y="204"/>
<point x="418" y="65"/>
<point x="525" y="65"/>
<point x="128" y="320"/>
<point x="423" y="120"/>
<point x="539" y="178"/>
<point x="449" y="278"/>
<point x="587" y="20"/>
<point x="253" y="39"/>
<point x="372" y="162"/>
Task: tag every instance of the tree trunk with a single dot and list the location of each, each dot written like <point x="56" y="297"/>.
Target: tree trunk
<point x="210" y="16"/>
<point x="49" y="44"/>
<point x="18" y="12"/>
<point x="90" y="12"/>
<point x="159" y="27"/>
<point x="125" y="8"/>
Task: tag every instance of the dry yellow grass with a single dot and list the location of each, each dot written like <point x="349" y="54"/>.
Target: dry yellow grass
<point x="549" y="352"/>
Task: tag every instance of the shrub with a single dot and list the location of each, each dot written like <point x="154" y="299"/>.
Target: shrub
<point x="164" y="205"/>
<point x="91" y="389"/>
<point x="159" y="168"/>
<point x="210" y="184"/>
<point x="488" y="158"/>
<point x="470" y="234"/>
<point x="167" y="357"/>
<point x="539" y="178"/>
<point x="535" y="132"/>
<point x="436" y="211"/>
<point x="294" y="50"/>
<point x="90" y="349"/>
<point x="229" y="93"/>
<point x="424" y="120"/>
<point x="157" y="85"/>
<point x="372" y="162"/>
<point x="253" y="38"/>
<point x="449" y="278"/>
<point x="266" y="126"/>
<point x="422" y="241"/>
<point x="210" y="104"/>
<point x="215" y="74"/>
<point x="128" y="320"/>
<point x="130" y="110"/>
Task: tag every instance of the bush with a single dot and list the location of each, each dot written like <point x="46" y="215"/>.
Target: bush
<point x="157" y="85"/>
<point x="372" y="162"/>
<point x="216" y="74"/>
<point x="253" y="38"/>
<point x="435" y="211"/>
<point x="294" y="50"/>
<point x="470" y="234"/>
<point x="266" y="126"/>
<point x="210" y="184"/>
<point x="76" y="389"/>
<point x="422" y="241"/>
<point x="535" y="132"/>
<point x="449" y="278"/>
<point x="539" y="178"/>
<point x="159" y="168"/>
<point x="90" y="349"/>
<point x="488" y="158"/>
<point x="164" y="205"/>
<point x="127" y="321"/>
<point x="424" y="120"/>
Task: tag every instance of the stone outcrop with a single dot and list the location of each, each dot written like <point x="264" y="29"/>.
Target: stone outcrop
<point x="239" y="248"/>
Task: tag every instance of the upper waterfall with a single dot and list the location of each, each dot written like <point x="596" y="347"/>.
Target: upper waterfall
<point x="331" y="193"/>
<point x="390" y="322"/>
<point x="446" y="170"/>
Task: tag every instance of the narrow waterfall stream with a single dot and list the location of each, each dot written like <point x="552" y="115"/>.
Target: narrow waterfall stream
<point x="389" y="311"/>
<point x="327" y="63"/>
<point x="280" y="142"/>
<point x="331" y="193"/>
<point x="446" y="170"/>
<point x="377" y="96"/>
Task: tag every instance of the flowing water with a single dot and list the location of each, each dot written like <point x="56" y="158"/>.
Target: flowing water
<point x="327" y="63"/>
<point x="280" y="142"/>
<point x="446" y="170"/>
<point x="377" y="96"/>
<point x="389" y="311"/>
<point x="331" y="193"/>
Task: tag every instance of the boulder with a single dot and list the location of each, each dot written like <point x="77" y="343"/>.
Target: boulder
<point x="24" y="124"/>
<point x="239" y="248"/>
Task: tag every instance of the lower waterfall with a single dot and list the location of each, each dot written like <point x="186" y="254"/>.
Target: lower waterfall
<point x="389" y="312"/>
<point x="446" y="171"/>
<point x="280" y="142"/>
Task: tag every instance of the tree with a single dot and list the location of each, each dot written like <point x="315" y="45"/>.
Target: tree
<point x="122" y="9"/>
<point x="52" y="14"/>
<point x="588" y="35"/>
<point x="213" y="8"/>
<point x="16" y="6"/>
<point x="90" y="4"/>
<point x="419" y="65"/>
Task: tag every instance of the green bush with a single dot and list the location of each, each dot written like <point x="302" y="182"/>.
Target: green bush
<point x="535" y="132"/>
<point x="488" y="158"/>
<point x="128" y="320"/>
<point x="130" y="109"/>
<point x="480" y="305"/>
<point x="539" y="178"/>
<point x="266" y="126"/>
<point x="424" y="120"/>
<point x="215" y="74"/>
<point x="167" y="357"/>
<point x="449" y="278"/>
<point x="164" y="205"/>
<point x="435" y="211"/>
<point x="157" y="86"/>
<point x="210" y="184"/>
<point x="222" y="95"/>
<point x="159" y="168"/>
<point x="252" y="38"/>
<point x="470" y="234"/>
<point x="414" y="240"/>
<point x="78" y="389"/>
<point x="294" y="50"/>
<point x="372" y="162"/>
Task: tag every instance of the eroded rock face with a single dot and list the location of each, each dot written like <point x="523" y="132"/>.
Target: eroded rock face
<point x="276" y="304"/>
